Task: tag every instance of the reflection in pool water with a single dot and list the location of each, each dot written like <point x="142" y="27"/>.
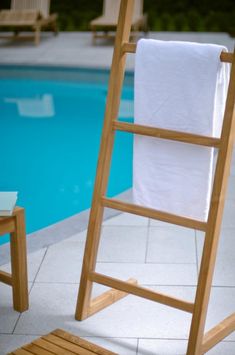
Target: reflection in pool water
<point x="38" y="107"/>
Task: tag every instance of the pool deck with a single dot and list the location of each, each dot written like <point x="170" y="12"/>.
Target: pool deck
<point x="166" y="259"/>
<point x="76" y="49"/>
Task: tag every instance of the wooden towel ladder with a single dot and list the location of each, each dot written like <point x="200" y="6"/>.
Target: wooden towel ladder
<point x="199" y="343"/>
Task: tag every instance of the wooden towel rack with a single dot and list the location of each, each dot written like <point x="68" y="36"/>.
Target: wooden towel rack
<point x="199" y="343"/>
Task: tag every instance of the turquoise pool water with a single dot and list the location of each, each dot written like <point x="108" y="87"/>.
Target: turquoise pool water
<point x="50" y="124"/>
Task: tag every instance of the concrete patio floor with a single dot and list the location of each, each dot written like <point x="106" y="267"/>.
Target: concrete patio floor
<point x="76" y="49"/>
<point x="161" y="256"/>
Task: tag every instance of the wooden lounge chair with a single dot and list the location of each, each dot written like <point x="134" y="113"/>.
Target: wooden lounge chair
<point x="101" y="26"/>
<point x="28" y="14"/>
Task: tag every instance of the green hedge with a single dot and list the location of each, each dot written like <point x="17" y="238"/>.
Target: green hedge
<point x="193" y="21"/>
<point x="163" y="15"/>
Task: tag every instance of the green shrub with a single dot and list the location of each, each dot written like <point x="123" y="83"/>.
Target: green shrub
<point x="181" y="22"/>
<point x="163" y="15"/>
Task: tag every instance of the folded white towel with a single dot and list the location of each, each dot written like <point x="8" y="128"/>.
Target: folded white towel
<point x="179" y="86"/>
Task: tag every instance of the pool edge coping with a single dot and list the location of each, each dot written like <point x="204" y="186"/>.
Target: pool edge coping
<point x="60" y="231"/>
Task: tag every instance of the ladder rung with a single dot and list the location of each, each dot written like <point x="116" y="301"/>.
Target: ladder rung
<point x="141" y="292"/>
<point x="131" y="48"/>
<point x="6" y="278"/>
<point x="167" y="134"/>
<point x="107" y="298"/>
<point x="155" y="214"/>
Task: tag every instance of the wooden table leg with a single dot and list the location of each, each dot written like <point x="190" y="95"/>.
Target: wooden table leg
<point x="19" y="263"/>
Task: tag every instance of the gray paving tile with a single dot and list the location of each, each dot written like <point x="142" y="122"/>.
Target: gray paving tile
<point x="78" y="237"/>
<point x="156" y="223"/>
<point x="229" y="214"/>
<point x="119" y="345"/>
<point x="171" y="245"/>
<point x="221" y="306"/>
<point x="62" y="263"/>
<point x="8" y="317"/>
<point x="34" y="260"/>
<point x="231" y="188"/>
<point x="162" y="347"/>
<point x="223" y="348"/>
<point x="178" y="347"/>
<point x="232" y="171"/>
<point x="151" y="274"/>
<point x="53" y="306"/>
<point x="13" y="342"/>
<point x="127" y="219"/>
<point x="123" y="244"/>
<point x="225" y="263"/>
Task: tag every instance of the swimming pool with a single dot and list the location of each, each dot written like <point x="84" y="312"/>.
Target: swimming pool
<point x="50" y="122"/>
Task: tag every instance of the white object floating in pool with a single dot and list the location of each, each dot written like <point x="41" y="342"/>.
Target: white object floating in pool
<point x="34" y="107"/>
<point x="126" y="109"/>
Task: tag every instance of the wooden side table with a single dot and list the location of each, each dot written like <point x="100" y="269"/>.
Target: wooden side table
<point x="18" y="279"/>
<point x="61" y="342"/>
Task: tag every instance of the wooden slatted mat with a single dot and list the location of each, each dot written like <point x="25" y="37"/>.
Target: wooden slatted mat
<point x="60" y="342"/>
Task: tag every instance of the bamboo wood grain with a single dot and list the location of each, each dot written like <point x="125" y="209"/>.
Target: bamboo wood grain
<point x="107" y="298"/>
<point x="60" y="342"/>
<point x="36" y="350"/>
<point x="107" y="141"/>
<point x="6" y="278"/>
<point x="152" y="213"/>
<point x="167" y="134"/>
<point x="19" y="263"/>
<point x="54" y="349"/>
<point x="68" y="347"/>
<point x="218" y="333"/>
<point x="142" y="292"/>
<point x="214" y="221"/>
<point x="131" y="48"/>
<point x="82" y="343"/>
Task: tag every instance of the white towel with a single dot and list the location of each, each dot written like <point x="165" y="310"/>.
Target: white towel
<point x="179" y="86"/>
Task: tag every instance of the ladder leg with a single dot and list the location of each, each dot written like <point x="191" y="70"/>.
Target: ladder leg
<point x="196" y="336"/>
<point x="112" y="106"/>
<point x="89" y="262"/>
<point x="202" y="295"/>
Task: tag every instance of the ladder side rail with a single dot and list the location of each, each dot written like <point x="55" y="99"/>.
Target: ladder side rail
<point x="103" y="167"/>
<point x="214" y="221"/>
